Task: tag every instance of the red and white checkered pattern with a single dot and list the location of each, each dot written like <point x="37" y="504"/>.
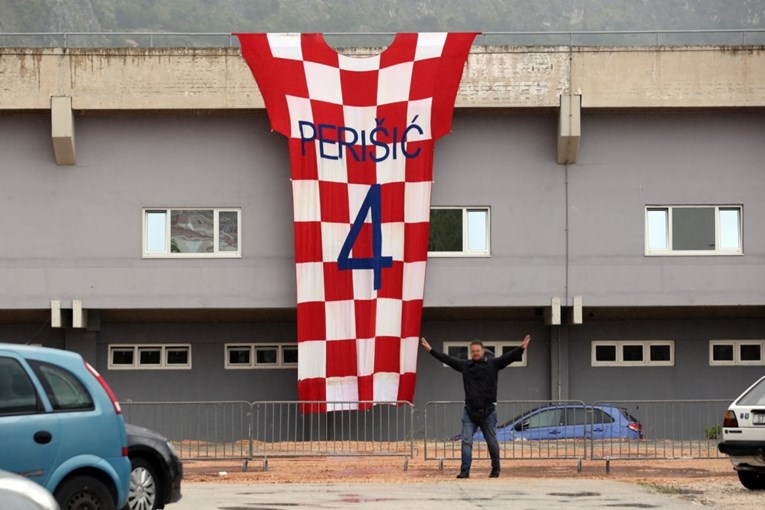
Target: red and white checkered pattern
<point x="356" y="343"/>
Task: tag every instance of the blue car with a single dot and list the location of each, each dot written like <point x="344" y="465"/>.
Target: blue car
<point x="569" y="421"/>
<point x="61" y="426"/>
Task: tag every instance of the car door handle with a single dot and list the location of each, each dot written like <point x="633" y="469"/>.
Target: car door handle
<point x="43" y="437"/>
<point x="555" y="432"/>
<point x="598" y="429"/>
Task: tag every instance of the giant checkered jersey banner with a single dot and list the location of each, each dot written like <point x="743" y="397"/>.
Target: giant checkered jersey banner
<point x="361" y="133"/>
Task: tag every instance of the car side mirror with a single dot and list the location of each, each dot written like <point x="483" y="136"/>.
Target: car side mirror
<point x="520" y="426"/>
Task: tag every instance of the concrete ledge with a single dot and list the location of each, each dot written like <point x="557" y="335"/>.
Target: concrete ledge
<point x="495" y="76"/>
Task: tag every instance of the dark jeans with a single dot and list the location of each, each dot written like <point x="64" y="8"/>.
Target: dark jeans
<point x="489" y="428"/>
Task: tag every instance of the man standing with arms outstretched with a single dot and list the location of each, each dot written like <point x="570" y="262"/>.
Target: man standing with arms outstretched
<point x="479" y="377"/>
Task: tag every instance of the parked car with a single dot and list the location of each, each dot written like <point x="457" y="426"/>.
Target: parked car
<point x="18" y="493"/>
<point x="744" y="436"/>
<point x="157" y="471"/>
<point x="569" y="421"/>
<point x="62" y="427"/>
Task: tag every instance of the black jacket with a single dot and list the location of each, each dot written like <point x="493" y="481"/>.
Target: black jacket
<point x="479" y="377"/>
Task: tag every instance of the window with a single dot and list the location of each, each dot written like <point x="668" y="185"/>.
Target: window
<point x="736" y="352"/>
<point x="459" y="231"/>
<point x="576" y="416"/>
<point x="64" y="390"/>
<point x="607" y="353"/>
<point x="599" y="416"/>
<point x="17" y="393"/>
<point x="261" y="356"/>
<point x="154" y="356"/>
<point x="191" y="233"/>
<point x="547" y="418"/>
<point x="693" y="230"/>
<point x="493" y="348"/>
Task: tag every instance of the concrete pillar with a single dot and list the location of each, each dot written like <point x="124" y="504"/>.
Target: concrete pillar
<point x="62" y="130"/>
<point x="559" y="362"/>
<point x="569" y="128"/>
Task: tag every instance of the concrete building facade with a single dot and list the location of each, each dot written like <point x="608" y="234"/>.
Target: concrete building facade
<point x="621" y="189"/>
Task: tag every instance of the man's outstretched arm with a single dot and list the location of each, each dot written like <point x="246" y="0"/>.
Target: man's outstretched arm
<point x="455" y="363"/>
<point x="514" y="355"/>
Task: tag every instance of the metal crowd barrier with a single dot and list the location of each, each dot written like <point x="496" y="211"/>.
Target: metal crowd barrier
<point x="352" y="429"/>
<point x="671" y="429"/>
<point x="524" y="431"/>
<point x="244" y="431"/>
<point x="198" y="430"/>
<point x="527" y="429"/>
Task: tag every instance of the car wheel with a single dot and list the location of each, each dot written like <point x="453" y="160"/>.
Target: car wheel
<point x="752" y="480"/>
<point x="143" y="493"/>
<point x="84" y="493"/>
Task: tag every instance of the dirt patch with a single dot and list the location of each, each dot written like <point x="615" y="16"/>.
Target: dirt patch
<point x="707" y="482"/>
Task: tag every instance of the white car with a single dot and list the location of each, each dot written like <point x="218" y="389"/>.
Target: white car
<point x="744" y="436"/>
<point x="18" y="493"/>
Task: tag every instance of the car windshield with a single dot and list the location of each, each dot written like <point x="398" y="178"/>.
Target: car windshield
<point x="755" y="396"/>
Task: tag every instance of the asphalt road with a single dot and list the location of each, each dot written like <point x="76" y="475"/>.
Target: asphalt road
<point x="456" y="495"/>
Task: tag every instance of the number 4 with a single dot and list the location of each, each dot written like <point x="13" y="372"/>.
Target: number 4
<point x="376" y="262"/>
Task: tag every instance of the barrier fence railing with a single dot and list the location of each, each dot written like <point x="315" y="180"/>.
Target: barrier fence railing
<point x="670" y="429"/>
<point x="351" y="429"/>
<point x="240" y="430"/>
<point x="526" y="429"/>
<point x="198" y="430"/>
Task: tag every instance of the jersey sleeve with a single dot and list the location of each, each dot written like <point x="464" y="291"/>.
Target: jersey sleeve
<point x="276" y="62"/>
<point x="451" y="65"/>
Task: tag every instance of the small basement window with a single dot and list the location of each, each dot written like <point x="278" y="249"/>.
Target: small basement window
<point x="606" y="353"/>
<point x="154" y="356"/>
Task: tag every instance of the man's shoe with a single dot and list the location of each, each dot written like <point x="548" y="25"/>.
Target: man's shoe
<point x="494" y="473"/>
<point x="463" y="474"/>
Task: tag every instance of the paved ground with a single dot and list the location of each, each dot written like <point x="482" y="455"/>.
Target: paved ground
<point x="454" y="495"/>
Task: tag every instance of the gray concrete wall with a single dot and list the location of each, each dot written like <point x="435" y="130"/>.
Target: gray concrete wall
<point x="691" y="378"/>
<point x="75" y="232"/>
<point x="629" y="160"/>
<point x="209" y="380"/>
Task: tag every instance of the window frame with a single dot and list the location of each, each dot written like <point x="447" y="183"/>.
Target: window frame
<point x="736" y="361"/>
<point x="669" y="251"/>
<point x="38" y="404"/>
<point x="505" y="345"/>
<point x="466" y="252"/>
<point x="50" y="388"/>
<point x="136" y="365"/>
<point x="619" y="362"/>
<point x="168" y="254"/>
<point x="253" y="348"/>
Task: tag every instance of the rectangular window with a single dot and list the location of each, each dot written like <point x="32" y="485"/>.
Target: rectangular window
<point x="154" y="356"/>
<point x="191" y="233"/>
<point x="64" y="389"/>
<point x="17" y="392"/>
<point x="261" y="356"/>
<point x="693" y="230"/>
<point x="607" y="353"/>
<point x="736" y="352"/>
<point x="239" y="356"/>
<point x="459" y="232"/>
<point x="461" y="350"/>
